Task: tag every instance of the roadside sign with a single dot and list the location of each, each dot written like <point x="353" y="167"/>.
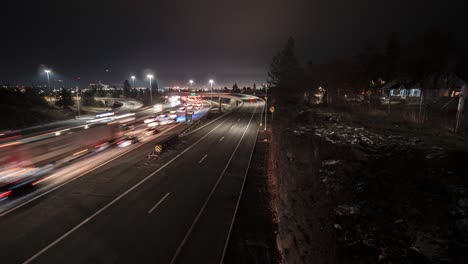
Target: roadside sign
<point x="272" y="109"/>
<point x="188" y="117"/>
<point x="158" y="148"/>
<point x="192" y="94"/>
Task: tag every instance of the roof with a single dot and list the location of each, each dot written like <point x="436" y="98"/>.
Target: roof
<point x="432" y="81"/>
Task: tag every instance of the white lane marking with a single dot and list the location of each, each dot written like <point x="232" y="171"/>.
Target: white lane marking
<point x="179" y="249"/>
<point x="202" y="159"/>
<point x="207" y="124"/>
<point x="62" y="237"/>
<point x="221" y="139"/>
<point x="80" y="175"/>
<point x="158" y="203"/>
<point x="239" y="199"/>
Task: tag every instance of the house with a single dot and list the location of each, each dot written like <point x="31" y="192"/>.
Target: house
<point x="434" y="87"/>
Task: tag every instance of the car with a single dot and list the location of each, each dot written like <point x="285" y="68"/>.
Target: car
<point x="172" y="114"/>
<point x="181" y="110"/>
<point x="153" y="124"/>
<point x="149" y="120"/>
<point x="128" y="140"/>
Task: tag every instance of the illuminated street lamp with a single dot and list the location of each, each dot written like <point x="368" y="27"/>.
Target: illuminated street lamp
<point x="133" y="82"/>
<point x="211" y="84"/>
<point x="150" y="77"/>
<point x="191" y="84"/>
<point x="78" y="99"/>
<point x="48" y="79"/>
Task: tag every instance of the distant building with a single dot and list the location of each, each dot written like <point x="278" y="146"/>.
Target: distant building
<point x="433" y="88"/>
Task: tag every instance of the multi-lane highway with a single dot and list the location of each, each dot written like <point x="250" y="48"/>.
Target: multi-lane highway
<point x="178" y="208"/>
<point x="127" y="105"/>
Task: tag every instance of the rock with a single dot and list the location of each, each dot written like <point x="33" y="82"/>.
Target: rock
<point x="347" y="210"/>
<point x="330" y="162"/>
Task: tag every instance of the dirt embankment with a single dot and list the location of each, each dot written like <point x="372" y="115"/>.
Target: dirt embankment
<point x="346" y="194"/>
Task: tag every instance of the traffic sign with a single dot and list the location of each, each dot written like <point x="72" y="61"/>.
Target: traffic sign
<point x="192" y="94"/>
<point x="272" y="109"/>
<point x="188" y="117"/>
<point x="158" y="148"/>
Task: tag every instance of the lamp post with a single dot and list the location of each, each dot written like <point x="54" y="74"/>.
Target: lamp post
<point x="191" y="85"/>
<point x="133" y="81"/>
<point x="78" y="99"/>
<point x="266" y="107"/>
<point x="48" y="79"/>
<point x="211" y="84"/>
<point x="150" y="77"/>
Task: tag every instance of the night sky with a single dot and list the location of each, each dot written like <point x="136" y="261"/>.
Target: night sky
<point x="178" y="40"/>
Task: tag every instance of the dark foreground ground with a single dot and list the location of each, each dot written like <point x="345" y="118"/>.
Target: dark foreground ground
<point x="253" y="238"/>
<point x="349" y="193"/>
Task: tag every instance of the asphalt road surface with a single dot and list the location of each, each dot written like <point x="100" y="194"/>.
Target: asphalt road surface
<point x="175" y="209"/>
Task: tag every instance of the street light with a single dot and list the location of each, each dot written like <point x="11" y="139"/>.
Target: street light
<point x="211" y="84"/>
<point x="78" y="99"/>
<point x="266" y="106"/>
<point x="191" y="84"/>
<point x="150" y="77"/>
<point x="48" y="79"/>
<point x="133" y="81"/>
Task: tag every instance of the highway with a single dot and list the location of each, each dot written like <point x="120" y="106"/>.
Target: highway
<point x="127" y="106"/>
<point x="178" y="208"/>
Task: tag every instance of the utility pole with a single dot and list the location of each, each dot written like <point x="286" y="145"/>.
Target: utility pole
<point x="266" y="107"/>
<point x="461" y="104"/>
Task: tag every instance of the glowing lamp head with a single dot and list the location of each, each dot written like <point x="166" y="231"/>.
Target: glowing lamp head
<point x="47" y="71"/>
<point x="191" y="81"/>
<point x="211" y="81"/>
<point x="133" y="77"/>
<point x="149" y="76"/>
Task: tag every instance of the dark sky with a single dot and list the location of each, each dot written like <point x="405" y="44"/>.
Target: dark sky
<point x="200" y="39"/>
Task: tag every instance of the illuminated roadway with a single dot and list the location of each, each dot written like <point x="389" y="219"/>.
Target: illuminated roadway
<point x="176" y="209"/>
<point x="127" y="106"/>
